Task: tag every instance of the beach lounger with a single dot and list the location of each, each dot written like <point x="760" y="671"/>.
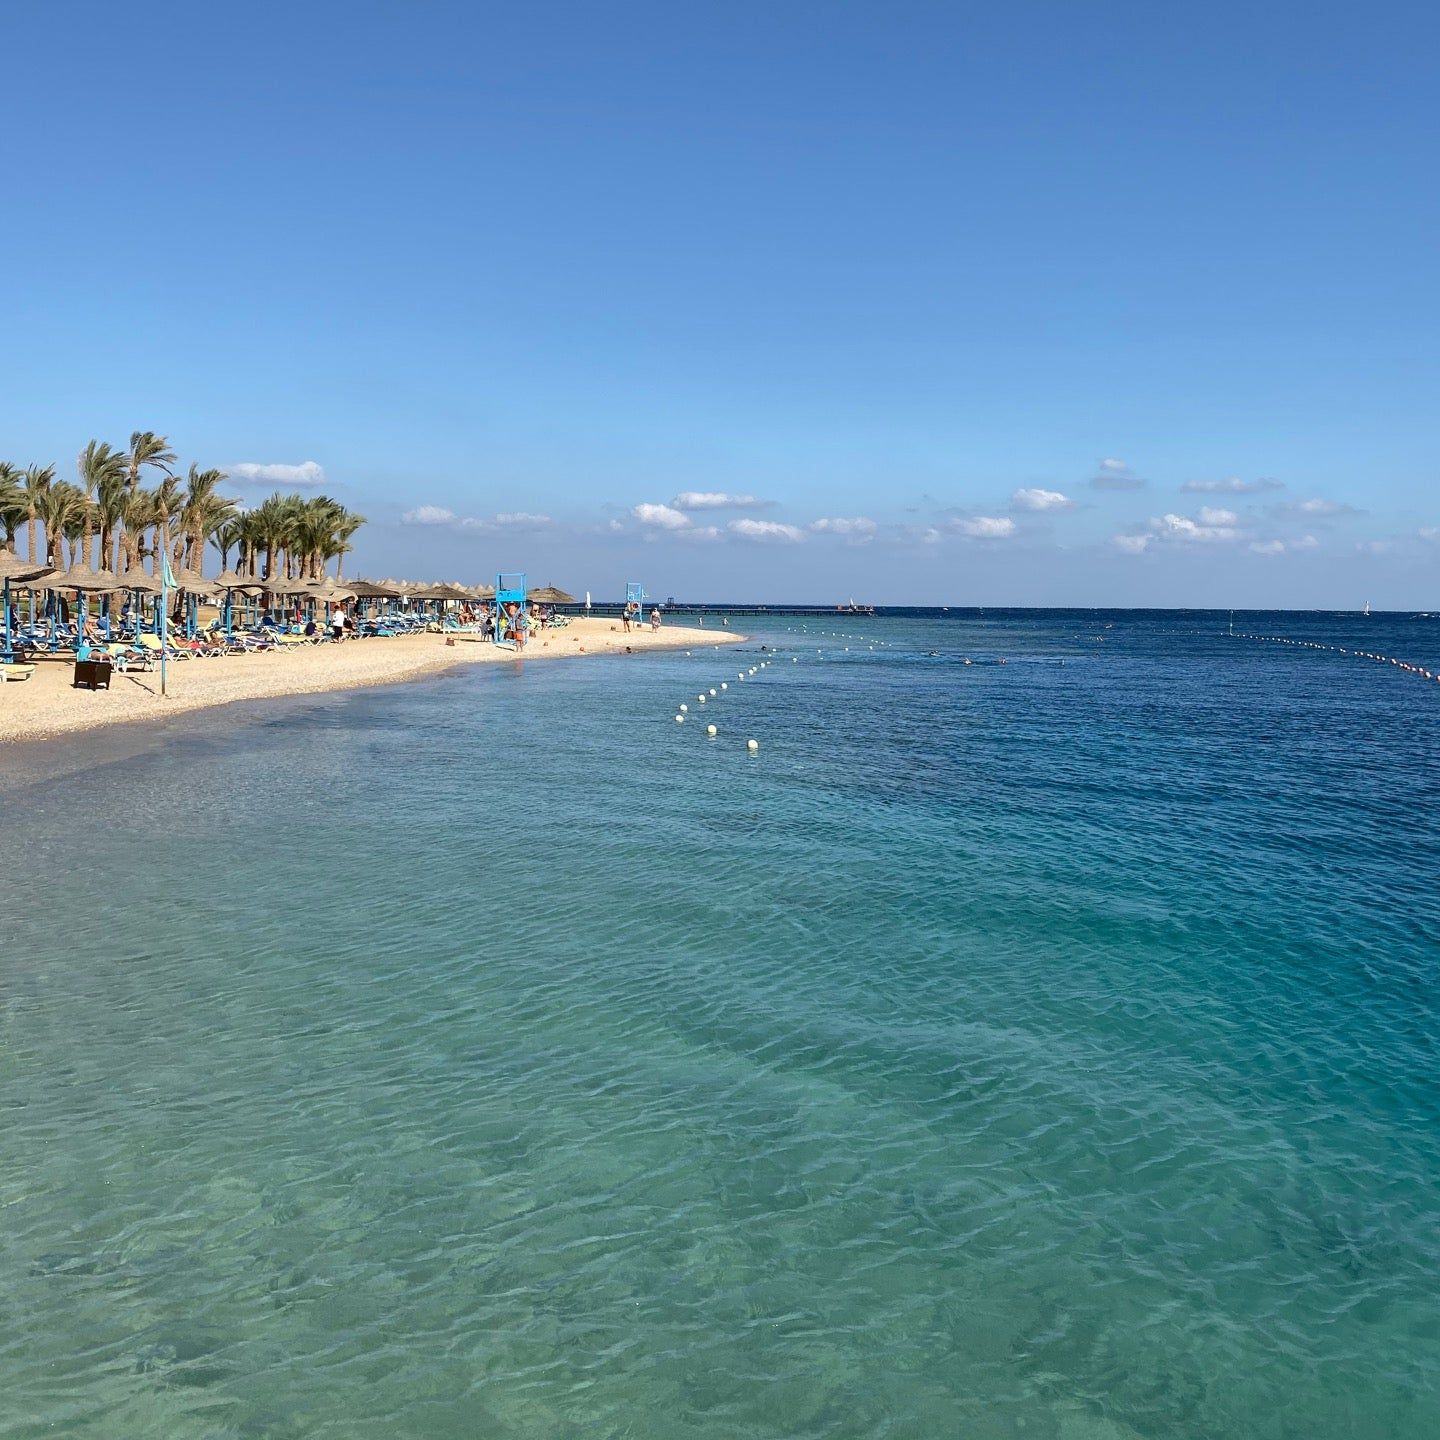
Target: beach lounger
<point x="16" y="672"/>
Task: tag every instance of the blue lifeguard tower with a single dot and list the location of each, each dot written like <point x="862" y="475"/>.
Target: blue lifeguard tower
<point x="635" y="595"/>
<point x="509" y="590"/>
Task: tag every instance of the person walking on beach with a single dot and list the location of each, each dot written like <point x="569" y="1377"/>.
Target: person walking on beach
<point x="625" y="618"/>
<point x="655" y="618"/>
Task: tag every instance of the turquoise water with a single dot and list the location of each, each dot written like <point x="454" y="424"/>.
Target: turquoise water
<point x="1032" y="1050"/>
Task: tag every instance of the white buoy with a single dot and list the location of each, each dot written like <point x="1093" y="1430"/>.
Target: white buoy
<point x="710" y="730"/>
<point x="712" y="689"/>
<point x="684" y="707"/>
<point x="679" y="719"/>
<point x="702" y="699"/>
<point x="723" y="685"/>
<point x="752" y="744"/>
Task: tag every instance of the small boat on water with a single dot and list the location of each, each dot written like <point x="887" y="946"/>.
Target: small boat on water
<point x="1366" y="611"/>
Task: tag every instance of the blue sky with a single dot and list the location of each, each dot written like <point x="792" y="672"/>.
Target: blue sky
<point x="535" y="277"/>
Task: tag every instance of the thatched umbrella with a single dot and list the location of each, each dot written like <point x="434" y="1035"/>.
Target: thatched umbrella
<point x="550" y="595"/>
<point x="194" y="583"/>
<point x="228" y="581"/>
<point x="22" y="572"/>
<point x="83" y="581"/>
<point x="141" y="581"/>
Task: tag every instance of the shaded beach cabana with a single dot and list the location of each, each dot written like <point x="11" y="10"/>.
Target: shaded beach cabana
<point x="138" y="582"/>
<point x="84" y="582"/>
<point x="20" y="572"/>
<point x="229" y="581"/>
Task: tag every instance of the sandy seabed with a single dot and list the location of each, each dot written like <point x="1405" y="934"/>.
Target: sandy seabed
<point x="46" y="704"/>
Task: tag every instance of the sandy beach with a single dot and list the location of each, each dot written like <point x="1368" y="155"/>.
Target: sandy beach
<point x="46" y="704"/>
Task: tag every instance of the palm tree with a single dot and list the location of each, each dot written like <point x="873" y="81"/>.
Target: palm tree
<point x="277" y="523"/>
<point x="340" y="546"/>
<point x="36" y="483"/>
<point x="61" y="506"/>
<point x="13" y="506"/>
<point x="112" y="506"/>
<point x="100" y="468"/>
<point x="146" y="448"/>
<point x="202" y="512"/>
<point x="166" y="500"/>
<point x="228" y="535"/>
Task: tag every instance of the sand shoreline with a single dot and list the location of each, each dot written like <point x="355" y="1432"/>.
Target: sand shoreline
<point x="46" y="706"/>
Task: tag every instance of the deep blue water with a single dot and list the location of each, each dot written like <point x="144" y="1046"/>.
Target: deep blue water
<point x="1037" y="1049"/>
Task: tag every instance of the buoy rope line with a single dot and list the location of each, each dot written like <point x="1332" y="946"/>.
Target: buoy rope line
<point x="718" y="692"/>
<point x="1404" y="665"/>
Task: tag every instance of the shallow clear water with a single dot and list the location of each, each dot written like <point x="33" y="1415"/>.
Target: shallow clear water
<point x="1037" y="1049"/>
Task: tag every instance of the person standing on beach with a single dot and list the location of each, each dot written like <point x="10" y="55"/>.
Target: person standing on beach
<point x="655" y="618"/>
<point x="337" y="623"/>
<point x="625" y="618"/>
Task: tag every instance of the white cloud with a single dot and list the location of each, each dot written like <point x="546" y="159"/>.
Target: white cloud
<point x="716" y="500"/>
<point x="986" y="527"/>
<point x="1317" y="506"/>
<point x="1115" y="475"/>
<point x="1210" y="526"/>
<point x="1034" y="499"/>
<point x="428" y="515"/>
<point x="511" y="520"/>
<point x="696" y="534"/>
<point x="1281" y="547"/>
<point x="853" y="525"/>
<point x="766" y="530"/>
<point x="1233" y="486"/>
<point x="308" y="472"/>
<point x="660" y="517"/>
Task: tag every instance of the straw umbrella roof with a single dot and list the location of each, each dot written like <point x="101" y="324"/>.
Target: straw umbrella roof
<point x="375" y="590"/>
<point x="483" y="592"/>
<point x="550" y="595"/>
<point x="138" y="579"/>
<point x="229" y="580"/>
<point x="21" y="572"/>
<point x="81" y="577"/>
<point x="194" y="582"/>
